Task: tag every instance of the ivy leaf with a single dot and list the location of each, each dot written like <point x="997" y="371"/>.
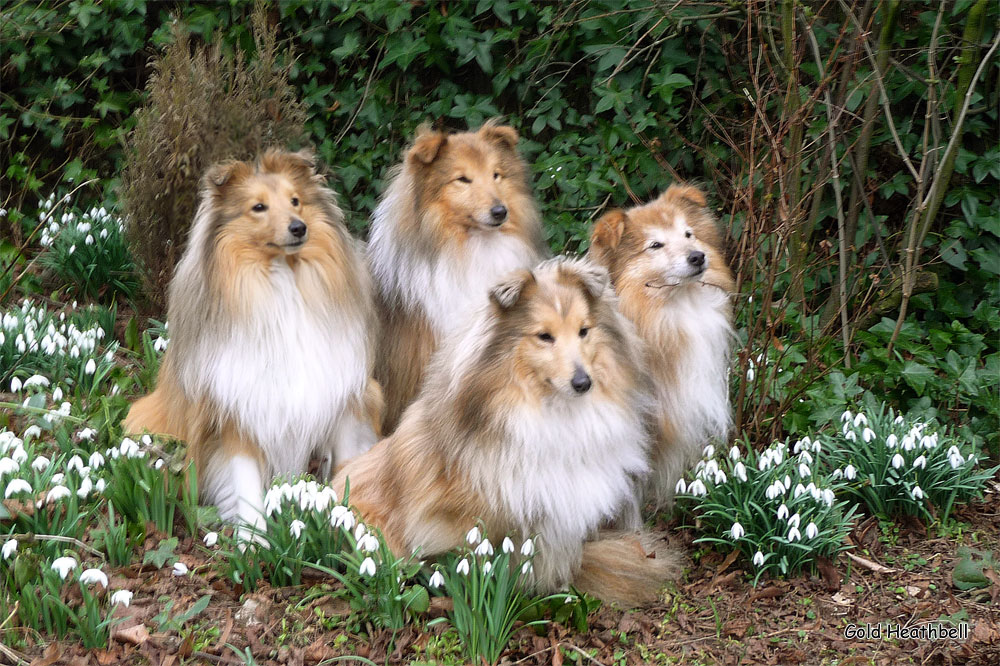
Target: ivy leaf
<point x="917" y="375"/>
<point x="163" y="555"/>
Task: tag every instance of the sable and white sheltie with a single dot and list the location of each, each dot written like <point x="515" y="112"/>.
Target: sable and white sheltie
<point x="532" y="420"/>
<point x="457" y="216"/>
<point x="667" y="265"/>
<point x="271" y="313"/>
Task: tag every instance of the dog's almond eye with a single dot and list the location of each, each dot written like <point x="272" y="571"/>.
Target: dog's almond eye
<point x="496" y="175"/>
<point x="655" y="245"/>
<point x="463" y="179"/>
<point x="259" y="208"/>
<point x="688" y="234"/>
<point x="295" y="201"/>
<point x="546" y="337"/>
<point x="584" y="331"/>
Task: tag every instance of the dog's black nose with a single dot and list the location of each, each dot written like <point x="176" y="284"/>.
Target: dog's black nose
<point x="498" y="213"/>
<point x="696" y="258"/>
<point x="581" y="381"/>
<point x="297" y="228"/>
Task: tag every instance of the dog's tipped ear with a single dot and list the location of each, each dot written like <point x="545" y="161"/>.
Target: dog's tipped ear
<point x="593" y="277"/>
<point x="506" y="135"/>
<point x="508" y="293"/>
<point x="301" y="163"/>
<point x="218" y="176"/>
<point x="607" y="234"/>
<point x="685" y="194"/>
<point x="426" y="146"/>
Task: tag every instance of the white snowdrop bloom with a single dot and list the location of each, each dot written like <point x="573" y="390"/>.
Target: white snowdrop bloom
<point x="837" y="474"/>
<point x="57" y="394"/>
<point x="794" y="534"/>
<point x="758" y="559"/>
<point x="526" y="568"/>
<point x="75" y="463"/>
<point x="359" y="532"/>
<point x="9" y="548"/>
<point x="734" y="453"/>
<point x="158" y="464"/>
<point x="794" y="520"/>
<point x="972" y="457"/>
<point x="59" y="477"/>
<point x="94" y="577"/>
<point x="799" y="489"/>
<point x="89" y="240"/>
<point x="368" y="543"/>
<point x="180" y="569"/>
<point x="160" y="344"/>
<point x="817" y="495"/>
<point x="473" y="536"/>
<point x="344" y="520"/>
<point x="710" y="469"/>
<point x="788" y="482"/>
<point x="485" y="548"/>
<point x="36" y="380"/>
<point x="898" y="420"/>
<point x="774" y="490"/>
<point x="897" y="461"/>
<point x="123" y="597"/>
<point x="850" y="473"/>
<point x="463" y="567"/>
<point x="920" y="462"/>
<point x="40" y="463"/>
<point x="57" y="493"/>
<point x="74" y="351"/>
<point x="850" y="436"/>
<point x="708" y="451"/>
<point x="828" y="496"/>
<point x="720" y="477"/>
<point x="782" y="512"/>
<point x="100" y="485"/>
<point x="63" y="565"/>
<point x="764" y="462"/>
<point x="129" y="448"/>
<point x="860" y="419"/>
<point x="909" y="442"/>
<point x="736" y="531"/>
<point x="811" y="530"/>
<point x="868" y="434"/>
<point x="751" y="374"/>
<point x="296" y="528"/>
<point x="740" y="471"/>
<point x="917" y="493"/>
<point x="15" y="487"/>
<point x="528" y="548"/>
<point x="779" y="456"/>
<point x="804" y="471"/>
<point x="806" y="457"/>
<point x="681" y="487"/>
<point x="697" y="488"/>
<point x="797" y="447"/>
<point x="87" y="434"/>
<point x="846" y="416"/>
<point x="436" y="580"/>
<point x="72" y="249"/>
<point x="103" y="234"/>
<point x="956" y="461"/>
<point x="15" y="383"/>
<point x="90" y="367"/>
<point x="211" y="539"/>
<point x="507" y="545"/>
<point x="96" y="460"/>
<point x="929" y="442"/>
<point x="891" y="441"/>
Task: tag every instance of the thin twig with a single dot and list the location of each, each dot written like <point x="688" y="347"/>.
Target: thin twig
<point x="29" y="537"/>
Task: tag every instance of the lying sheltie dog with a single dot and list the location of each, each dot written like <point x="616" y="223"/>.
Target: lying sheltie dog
<point x="533" y="420"/>
<point x="270" y="313"/>
<point x="457" y="216"/>
<point x="667" y="265"/>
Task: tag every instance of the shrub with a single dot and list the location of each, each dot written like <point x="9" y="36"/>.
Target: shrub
<point x="205" y="104"/>
<point x="895" y="466"/>
<point x="776" y="507"/>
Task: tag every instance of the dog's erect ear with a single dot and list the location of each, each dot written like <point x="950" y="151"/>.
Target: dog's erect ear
<point x="593" y="277"/>
<point x="220" y="175"/>
<point x="503" y="134"/>
<point x="508" y="293"/>
<point x="606" y="236"/>
<point x="685" y="194"/>
<point x="427" y="145"/>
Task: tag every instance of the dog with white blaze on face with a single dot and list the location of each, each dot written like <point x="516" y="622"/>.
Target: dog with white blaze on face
<point x="271" y="317"/>
<point x="458" y="214"/>
<point x="667" y="264"/>
<point x="533" y="420"/>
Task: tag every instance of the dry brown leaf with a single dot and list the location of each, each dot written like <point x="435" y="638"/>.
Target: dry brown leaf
<point x="136" y="635"/>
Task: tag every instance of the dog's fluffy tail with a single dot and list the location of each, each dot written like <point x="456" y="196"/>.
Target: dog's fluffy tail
<point x="627" y="568"/>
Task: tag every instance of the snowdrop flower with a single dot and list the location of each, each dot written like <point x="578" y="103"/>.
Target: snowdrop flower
<point x="19" y="455"/>
<point x="57" y="478"/>
<point x="368" y="543"/>
<point x="804" y="471"/>
<point x="180" y="569"/>
<point x="929" y="442"/>
<point x="90" y="368"/>
<point x="850" y="473"/>
<point x="87" y="434"/>
<point x="76" y="462"/>
<point x="799" y="489"/>
<point x="794" y="520"/>
<point x="860" y="419"/>
<point x="737" y="531"/>
<point x="123" y="597"/>
<point x="338" y="516"/>
<point x="9" y="548"/>
<point x="806" y="457"/>
<point x="811" y="530"/>
<point x="487" y="567"/>
<point x="892" y="441"/>
<point x="507" y="546"/>
<point x="920" y="462"/>
<point x="100" y="485"/>
<point x="57" y="394"/>
<point x="64" y="565"/>
<point x="917" y="493"/>
<point x="708" y="451"/>
<point x="296" y="528"/>
<point x="15" y="383"/>
<point x="788" y="482"/>
<point x="897" y="461"/>
<point x="846" y="416"/>
<point x="782" y="512"/>
<point x="837" y="474"/>
<point x="794" y="534"/>
<point x="57" y="493"/>
<point x="720" y="477"/>
<point x="750" y="374"/>
<point x="472" y="537"/>
<point x="485" y="548"/>
<point x="211" y="539"/>
<point x="828" y="497"/>
<point x="526" y="568"/>
<point x="528" y="548"/>
<point x="734" y="453"/>
<point x="158" y="464"/>
<point x="36" y="380"/>
<point x="697" y="488"/>
<point x="89" y="240"/>
<point x="681" y="487"/>
<point x="740" y="471"/>
<point x="868" y="435"/>
<point x="436" y="580"/>
<point x="463" y="567"/>
<point x="367" y="567"/>
<point x="758" y="559"/>
<point x="96" y="460"/>
<point x="17" y="486"/>
<point x="94" y="577"/>
<point x="359" y="532"/>
<point x="129" y="448"/>
<point x="40" y="463"/>
<point x="850" y="436"/>
<point x="774" y="490"/>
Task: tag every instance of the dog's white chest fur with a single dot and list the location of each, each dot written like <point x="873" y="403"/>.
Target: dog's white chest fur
<point x="286" y="372"/>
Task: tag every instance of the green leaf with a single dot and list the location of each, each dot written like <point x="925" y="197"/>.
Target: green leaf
<point x="163" y="555"/>
<point x="917" y="375"/>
